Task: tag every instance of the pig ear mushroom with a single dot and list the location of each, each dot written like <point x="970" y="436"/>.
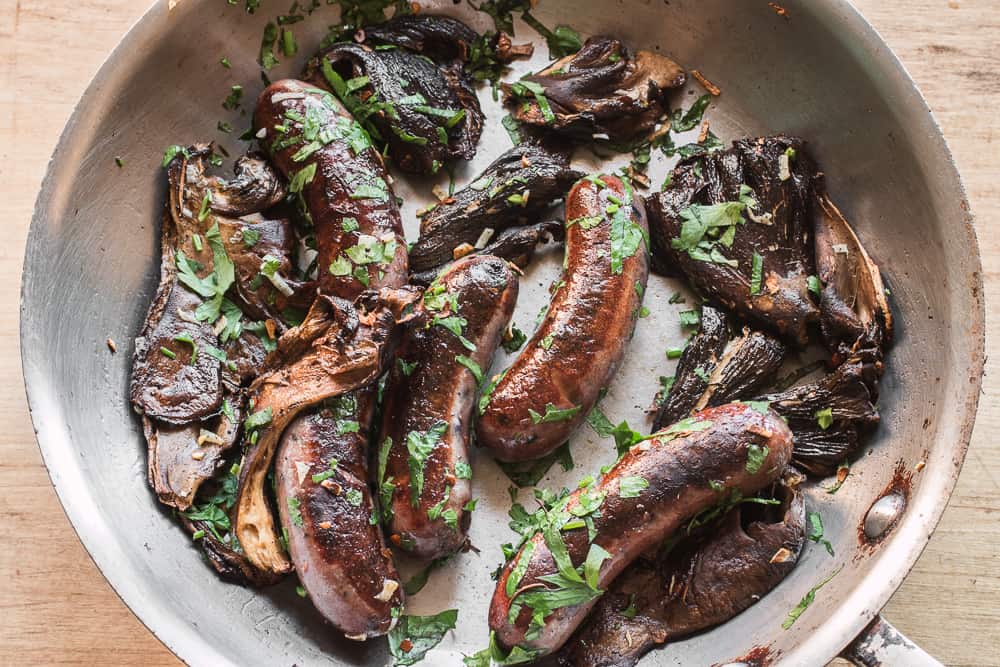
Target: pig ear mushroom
<point x="718" y="366"/>
<point x="855" y="317"/>
<point x="415" y="96"/>
<point x="828" y="417"/>
<point x="602" y="89"/>
<point x="736" y="224"/>
<point x="701" y="581"/>
<point x="515" y="190"/>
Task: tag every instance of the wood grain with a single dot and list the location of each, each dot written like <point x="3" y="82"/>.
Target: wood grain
<point x="57" y="609"/>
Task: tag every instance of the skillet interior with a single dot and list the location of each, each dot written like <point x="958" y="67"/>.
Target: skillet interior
<point x="91" y="262"/>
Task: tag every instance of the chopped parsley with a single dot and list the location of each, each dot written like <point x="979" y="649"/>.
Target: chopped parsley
<point x="631" y="487"/>
<point x="295" y="512"/>
<point x="824" y="418"/>
<point x="419" y="445"/>
<point x="756" y="273"/>
<point x="529" y="473"/>
<point x="816" y="531"/>
<point x="515" y="340"/>
<point x="414" y="636"/>
<point x="756" y="455"/>
<point x="471" y="364"/>
<point x="804" y="603"/>
<point x="554" y="414"/>
<point x="258" y="419"/>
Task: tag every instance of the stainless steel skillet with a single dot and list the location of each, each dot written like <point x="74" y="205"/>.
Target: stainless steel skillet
<point x="821" y="73"/>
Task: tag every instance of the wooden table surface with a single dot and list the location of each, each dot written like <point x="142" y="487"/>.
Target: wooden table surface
<point x="57" y="608"/>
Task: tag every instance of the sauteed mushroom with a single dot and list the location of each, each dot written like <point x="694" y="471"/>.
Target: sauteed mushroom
<point x="514" y="190"/>
<point x="600" y="89"/>
<point x="736" y="223"/>
<point x="717" y="367"/>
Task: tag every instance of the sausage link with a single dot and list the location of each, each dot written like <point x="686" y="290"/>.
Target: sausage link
<point x="333" y="537"/>
<point x="556" y="381"/>
<point x="341" y="181"/>
<point x="718" y="455"/>
<point x="431" y="396"/>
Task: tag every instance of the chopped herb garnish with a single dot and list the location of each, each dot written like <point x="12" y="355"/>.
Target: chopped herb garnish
<point x="631" y="487"/>
<point x="186" y="338"/>
<point x="295" y="512"/>
<point x="167" y="353"/>
<point x="250" y="237"/>
<point x="756" y="273"/>
<point x="692" y="117"/>
<point x="354" y="497"/>
<point x="814" y="285"/>
<point x="515" y="341"/>
<point x="414" y="636"/>
<point x="302" y="178"/>
<point x="756" y="455"/>
<point x="471" y="364"/>
<point x="816" y="531"/>
<point x="554" y="414"/>
<point x="529" y="473"/>
<point x="258" y="419"/>
<point x="824" y="418"/>
<point x="804" y="603"/>
<point x="234" y="98"/>
<point x="689" y="318"/>
<point x="406" y="367"/>
<point x="419" y="445"/>
<point x="463" y="470"/>
<point x="268" y="39"/>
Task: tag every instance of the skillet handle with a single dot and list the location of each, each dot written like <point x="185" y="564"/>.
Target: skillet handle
<point x="880" y="644"/>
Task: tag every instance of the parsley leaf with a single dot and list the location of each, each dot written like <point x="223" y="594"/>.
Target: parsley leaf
<point x="414" y="636"/>
<point x="554" y="414"/>
<point x="631" y="487"/>
<point x="419" y="445"/>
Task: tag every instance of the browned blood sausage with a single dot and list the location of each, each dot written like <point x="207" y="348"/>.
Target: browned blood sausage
<point x="658" y="486"/>
<point x="555" y="382"/>
<point x="429" y="403"/>
<point x="321" y="472"/>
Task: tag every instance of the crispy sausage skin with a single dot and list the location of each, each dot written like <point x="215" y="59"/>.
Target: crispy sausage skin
<point x="359" y="232"/>
<point x="336" y="545"/>
<point x="431" y="396"/>
<point x="555" y="382"/>
<point x="670" y="478"/>
<point x="338" y="553"/>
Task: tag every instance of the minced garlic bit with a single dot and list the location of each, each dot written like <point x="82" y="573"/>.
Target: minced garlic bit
<point x="261" y="133"/>
<point x="209" y="437"/>
<point x="112" y="346"/>
<point x="389" y="587"/>
<point x="484" y="238"/>
<point x="198" y="455"/>
<point x="784" y="169"/>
